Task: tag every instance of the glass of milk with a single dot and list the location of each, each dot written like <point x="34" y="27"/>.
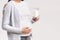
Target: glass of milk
<point x="36" y="12"/>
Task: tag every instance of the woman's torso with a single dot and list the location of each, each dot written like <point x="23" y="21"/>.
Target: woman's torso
<point x="22" y="15"/>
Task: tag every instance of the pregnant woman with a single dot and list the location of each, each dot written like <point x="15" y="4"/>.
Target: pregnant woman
<point x="17" y="20"/>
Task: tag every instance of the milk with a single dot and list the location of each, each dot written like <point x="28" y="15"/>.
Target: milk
<point x="36" y="12"/>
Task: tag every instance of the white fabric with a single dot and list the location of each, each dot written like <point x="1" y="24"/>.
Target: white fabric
<point x="16" y="16"/>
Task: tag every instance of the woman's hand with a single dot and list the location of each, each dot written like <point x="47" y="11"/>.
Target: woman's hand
<point x="36" y="18"/>
<point x="26" y="30"/>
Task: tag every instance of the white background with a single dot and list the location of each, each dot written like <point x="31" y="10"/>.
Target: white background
<point x="48" y="27"/>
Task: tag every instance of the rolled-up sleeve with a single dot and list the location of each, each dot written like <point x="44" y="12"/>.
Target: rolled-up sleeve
<point x="5" y="20"/>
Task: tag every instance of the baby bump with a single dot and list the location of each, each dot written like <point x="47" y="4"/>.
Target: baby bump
<point x="25" y="23"/>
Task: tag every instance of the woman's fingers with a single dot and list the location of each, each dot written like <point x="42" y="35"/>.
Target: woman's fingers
<point x="36" y="18"/>
<point x="26" y="30"/>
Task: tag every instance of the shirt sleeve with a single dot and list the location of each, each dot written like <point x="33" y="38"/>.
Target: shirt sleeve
<point x="5" y="21"/>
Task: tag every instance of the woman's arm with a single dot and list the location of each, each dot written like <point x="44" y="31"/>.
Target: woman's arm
<point x="5" y="20"/>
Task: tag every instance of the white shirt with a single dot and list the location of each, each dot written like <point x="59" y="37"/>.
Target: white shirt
<point x="24" y="15"/>
<point x="16" y="16"/>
